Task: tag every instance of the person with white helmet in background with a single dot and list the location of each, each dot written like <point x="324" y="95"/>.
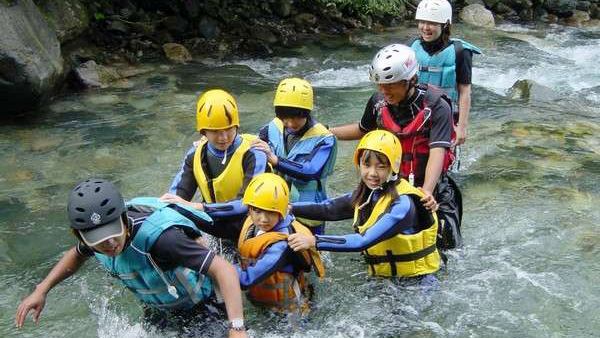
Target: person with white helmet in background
<point x="443" y="61"/>
<point x="421" y="117"/>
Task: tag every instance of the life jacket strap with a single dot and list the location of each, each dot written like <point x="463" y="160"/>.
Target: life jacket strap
<point x="389" y="258"/>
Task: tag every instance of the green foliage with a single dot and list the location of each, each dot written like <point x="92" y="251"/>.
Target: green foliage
<point x="99" y="16"/>
<point x="372" y="7"/>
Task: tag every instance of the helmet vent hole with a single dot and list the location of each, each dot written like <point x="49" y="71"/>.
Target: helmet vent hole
<point x="389" y="56"/>
<point x="97" y="189"/>
<point x="110" y="211"/>
<point x="104" y="202"/>
<point x="389" y="77"/>
<point x="79" y="220"/>
<point x="80" y="194"/>
<point x="386" y="69"/>
<point x="208" y="112"/>
<point x="80" y="209"/>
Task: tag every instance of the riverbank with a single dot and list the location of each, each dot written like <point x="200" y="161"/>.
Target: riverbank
<point x="79" y="44"/>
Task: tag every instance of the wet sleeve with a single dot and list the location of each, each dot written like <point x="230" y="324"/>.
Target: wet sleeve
<point x="368" y="121"/>
<point x="441" y="125"/>
<point x="175" y="248"/>
<point x="333" y="209"/>
<point x="464" y="64"/>
<point x="263" y="133"/>
<point x="184" y="183"/>
<point x="254" y="163"/>
<point x="401" y="218"/>
<point x="274" y="258"/>
<point x="84" y="250"/>
<point x="311" y="167"/>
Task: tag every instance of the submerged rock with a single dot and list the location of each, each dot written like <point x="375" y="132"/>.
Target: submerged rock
<point x="90" y="74"/>
<point x="531" y="90"/>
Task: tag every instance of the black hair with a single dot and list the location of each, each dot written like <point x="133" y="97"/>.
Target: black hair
<point x="362" y="191"/>
<point x="445" y="33"/>
<point x="283" y="112"/>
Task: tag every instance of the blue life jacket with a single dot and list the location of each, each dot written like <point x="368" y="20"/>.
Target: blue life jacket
<point x="300" y="190"/>
<point x="180" y="288"/>
<point x="439" y="69"/>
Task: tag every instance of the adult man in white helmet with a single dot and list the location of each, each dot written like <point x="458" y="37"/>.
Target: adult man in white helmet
<point x="421" y="117"/>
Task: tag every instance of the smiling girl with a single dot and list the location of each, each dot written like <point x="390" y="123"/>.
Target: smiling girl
<point x="394" y="231"/>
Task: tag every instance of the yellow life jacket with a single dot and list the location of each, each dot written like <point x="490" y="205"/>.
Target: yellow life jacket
<point x="227" y="185"/>
<point x="280" y="291"/>
<point x="403" y="255"/>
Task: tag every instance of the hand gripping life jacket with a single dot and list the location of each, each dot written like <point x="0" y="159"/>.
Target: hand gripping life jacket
<point x="300" y="190"/>
<point x="403" y="255"/>
<point x="440" y="69"/>
<point x="414" y="137"/>
<point x="180" y="288"/>
<point x="227" y="185"/>
<point x="280" y="291"/>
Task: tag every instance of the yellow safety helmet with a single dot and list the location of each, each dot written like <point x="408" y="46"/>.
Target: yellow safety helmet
<point x="268" y="191"/>
<point x="294" y="92"/>
<point x="216" y="109"/>
<point x="384" y="142"/>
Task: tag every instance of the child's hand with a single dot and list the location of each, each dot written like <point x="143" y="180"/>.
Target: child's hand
<point x="264" y="147"/>
<point x="301" y="242"/>
<point x="172" y="198"/>
<point x="428" y="201"/>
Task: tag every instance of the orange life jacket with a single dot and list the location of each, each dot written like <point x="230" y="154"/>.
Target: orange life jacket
<point x="280" y="291"/>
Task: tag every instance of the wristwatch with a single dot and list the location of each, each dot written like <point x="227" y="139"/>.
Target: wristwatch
<point x="237" y="324"/>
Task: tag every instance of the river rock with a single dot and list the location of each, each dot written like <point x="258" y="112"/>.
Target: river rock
<point x="31" y="65"/>
<point x="562" y="8"/>
<point x="533" y="91"/>
<point x="69" y="17"/>
<point x="477" y="15"/>
<point x="90" y="74"/>
<point x="176" y="53"/>
<point x="577" y="18"/>
<point x="209" y="27"/>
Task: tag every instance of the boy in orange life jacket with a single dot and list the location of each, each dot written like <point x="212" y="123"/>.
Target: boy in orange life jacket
<point x="272" y="273"/>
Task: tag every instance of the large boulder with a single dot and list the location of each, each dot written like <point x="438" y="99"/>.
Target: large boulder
<point x="69" y="17"/>
<point x="31" y="65"/>
<point x="477" y="15"/>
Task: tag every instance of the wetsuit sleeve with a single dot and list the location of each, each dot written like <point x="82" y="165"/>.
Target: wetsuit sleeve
<point x="464" y="64"/>
<point x="84" y="250"/>
<point x="368" y="121"/>
<point x="333" y="209"/>
<point x="274" y="258"/>
<point x="400" y="218"/>
<point x="263" y="133"/>
<point x="254" y="163"/>
<point x="441" y="125"/>
<point x="175" y="248"/>
<point x="310" y="168"/>
<point x="184" y="184"/>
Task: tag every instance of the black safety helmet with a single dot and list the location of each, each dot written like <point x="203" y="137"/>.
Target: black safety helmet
<point x="94" y="202"/>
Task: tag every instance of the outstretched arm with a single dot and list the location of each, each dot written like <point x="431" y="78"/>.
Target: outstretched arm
<point x="464" y="108"/>
<point x="226" y="276"/>
<point x="347" y="132"/>
<point x="68" y="265"/>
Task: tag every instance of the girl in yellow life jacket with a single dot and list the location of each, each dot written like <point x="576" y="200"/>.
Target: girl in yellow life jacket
<point x="272" y="273"/>
<point x="220" y="165"/>
<point x="394" y="231"/>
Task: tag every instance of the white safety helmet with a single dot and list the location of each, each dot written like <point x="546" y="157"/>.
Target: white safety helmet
<point x="393" y="63"/>
<point x="438" y="11"/>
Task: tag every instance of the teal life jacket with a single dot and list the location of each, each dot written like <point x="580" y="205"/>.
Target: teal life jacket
<point x="180" y="288"/>
<point x="440" y="69"/>
<point x="300" y="190"/>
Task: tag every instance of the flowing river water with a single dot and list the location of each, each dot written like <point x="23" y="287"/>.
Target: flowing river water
<point x="529" y="178"/>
